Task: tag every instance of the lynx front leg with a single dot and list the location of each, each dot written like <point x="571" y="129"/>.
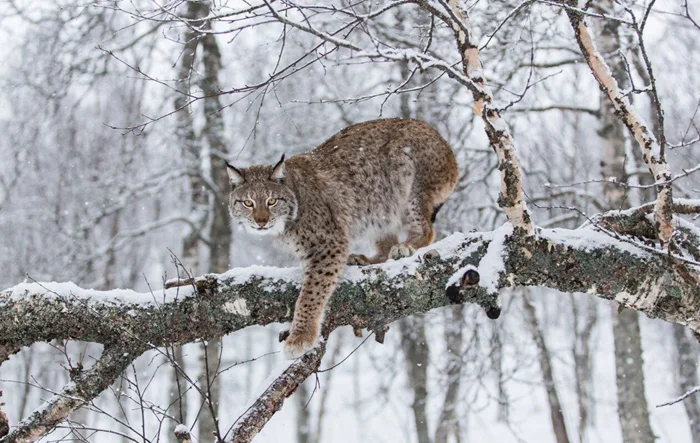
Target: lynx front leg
<point x="321" y="273"/>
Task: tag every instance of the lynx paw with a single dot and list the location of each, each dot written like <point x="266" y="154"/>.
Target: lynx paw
<point x="358" y="260"/>
<point x="401" y="250"/>
<point x="298" y="343"/>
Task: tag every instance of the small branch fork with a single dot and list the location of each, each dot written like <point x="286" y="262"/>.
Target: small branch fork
<point x="652" y="150"/>
<point x="271" y="401"/>
<point x="84" y="387"/>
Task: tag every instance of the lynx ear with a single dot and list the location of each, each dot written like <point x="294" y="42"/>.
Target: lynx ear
<point x="235" y="175"/>
<point x="278" y="171"/>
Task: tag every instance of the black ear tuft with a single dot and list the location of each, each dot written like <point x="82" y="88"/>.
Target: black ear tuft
<point x="235" y="175"/>
<point x="278" y="170"/>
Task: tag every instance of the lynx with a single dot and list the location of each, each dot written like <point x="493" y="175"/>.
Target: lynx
<point x="370" y="181"/>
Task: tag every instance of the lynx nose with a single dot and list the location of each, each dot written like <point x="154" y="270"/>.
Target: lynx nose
<point x="261" y="222"/>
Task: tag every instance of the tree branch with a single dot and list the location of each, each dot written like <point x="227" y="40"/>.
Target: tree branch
<point x="510" y="197"/>
<point x="652" y="151"/>
<point x="582" y="260"/>
<point x="81" y="390"/>
<point x="366" y="297"/>
<point x="260" y="412"/>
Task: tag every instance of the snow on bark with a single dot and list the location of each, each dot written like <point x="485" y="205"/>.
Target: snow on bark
<point x="652" y="152"/>
<point x="217" y="304"/>
<point x="510" y="197"/>
<point x="582" y="260"/>
<point x="182" y="434"/>
<point x="491" y="267"/>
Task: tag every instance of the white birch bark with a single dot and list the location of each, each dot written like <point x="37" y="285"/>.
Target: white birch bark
<point x="652" y="151"/>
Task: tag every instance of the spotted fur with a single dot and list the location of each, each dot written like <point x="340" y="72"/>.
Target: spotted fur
<point x="370" y="180"/>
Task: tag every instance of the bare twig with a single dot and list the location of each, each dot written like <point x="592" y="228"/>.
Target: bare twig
<point x="681" y="398"/>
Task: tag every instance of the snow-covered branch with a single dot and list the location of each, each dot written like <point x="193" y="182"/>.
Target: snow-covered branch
<point x="128" y="323"/>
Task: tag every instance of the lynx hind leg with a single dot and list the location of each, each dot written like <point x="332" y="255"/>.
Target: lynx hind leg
<point x="382" y="246"/>
<point x="320" y="279"/>
<point x="359" y="260"/>
<point x="418" y="220"/>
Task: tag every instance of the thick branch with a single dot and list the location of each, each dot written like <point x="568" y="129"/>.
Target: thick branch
<point x="367" y="297"/>
<point x="260" y="412"/>
<point x="128" y="323"/>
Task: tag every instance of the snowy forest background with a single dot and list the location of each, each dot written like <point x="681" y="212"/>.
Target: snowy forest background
<point x="117" y="118"/>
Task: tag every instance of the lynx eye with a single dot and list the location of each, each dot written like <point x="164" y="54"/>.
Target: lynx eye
<point x="271" y="201"/>
<point x="248" y="203"/>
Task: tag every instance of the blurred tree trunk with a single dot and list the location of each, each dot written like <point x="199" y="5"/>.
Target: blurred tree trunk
<point x="555" y="408"/>
<point x="213" y="132"/>
<point x="584" y="321"/>
<point x="208" y="188"/>
<point x="499" y="363"/>
<point x="191" y="152"/>
<point x="688" y="357"/>
<point x="303" y="414"/>
<point x="448" y="424"/>
<point x="110" y="268"/>
<point x="413" y="340"/>
<point x="322" y="407"/>
<point x="219" y="230"/>
<point x="416" y="353"/>
<point x="631" y="398"/>
<point x="306" y="432"/>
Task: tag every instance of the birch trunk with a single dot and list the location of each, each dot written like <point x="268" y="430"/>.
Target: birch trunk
<point x="448" y="424"/>
<point x="303" y="414"/>
<point x="191" y="151"/>
<point x="503" y="401"/>
<point x="632" y="404"/>
<point x="416" y="353"/>
<point x="631" y="398"/>
<point x="584" y="322"/>
<point x="688" y="357"/>
<point x="219" y="230"/>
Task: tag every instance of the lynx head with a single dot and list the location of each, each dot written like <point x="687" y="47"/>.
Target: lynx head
<point x="259" y="198"/>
